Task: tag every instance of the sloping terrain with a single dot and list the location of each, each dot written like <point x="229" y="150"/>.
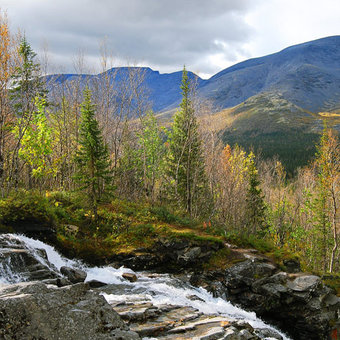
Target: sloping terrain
<point x="162" y="89"/>
<point x="276" y="103"/>
<point x="271" y="125"/>
<point x="308" y="75"/>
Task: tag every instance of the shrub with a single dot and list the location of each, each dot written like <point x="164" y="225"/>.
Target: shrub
<point x="25" y="207"/>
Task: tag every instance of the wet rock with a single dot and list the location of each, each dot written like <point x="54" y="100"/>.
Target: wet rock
<point x="74" y="275"/>
<point x="178" y="323"/>
<point x="298" y="303"/>
<point x="232" y="334"/>
<point x="244" y="334"/>
<point x="130" y="277"/>
<point x="240" y="324"/>
<point x="268" y="333"/>
<point x="212" y="334"/>
<point x="170" y="255"/>
<point x="245" y="273"/>
<point x="96" y="284"/>
<point x="62" y="282"/>
<point x="18" y="264"/>
<point x="194" y="298"/>
<point x="34" y="310"/>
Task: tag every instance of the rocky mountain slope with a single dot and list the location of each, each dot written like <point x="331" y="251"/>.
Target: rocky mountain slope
<point x="307" y="75"/>
<point x="276" y="104"/>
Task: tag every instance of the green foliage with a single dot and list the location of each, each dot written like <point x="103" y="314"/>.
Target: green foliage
<point x="223" y="259"/>
<point x="27" y="83"/>
<point x="194" y="236"/>
<point x="163" y="214"/>
<point x="278" y="143"/>
<point x="92" y="158"/>
<point x="185" y="163"/>
<point x="255" y="206"/>
<point x="150" y="155"/>
<point x="144" y="230"/>
<point x="27" y="207"/>
<point x="332" y="281"/>
<point x="252" y="241"/>
<point x="36" y="141"/>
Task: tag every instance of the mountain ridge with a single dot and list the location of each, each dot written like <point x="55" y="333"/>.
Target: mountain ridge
<point x="306" y="74"/>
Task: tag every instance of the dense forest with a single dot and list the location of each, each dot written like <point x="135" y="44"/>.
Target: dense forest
<point x="76" y="153"/>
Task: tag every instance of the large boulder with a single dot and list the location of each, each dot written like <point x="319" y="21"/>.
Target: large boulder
<point x="171" y="255"/>
<point x="17" y="263"/>
<point x="33" y="310"/>
<point x="299" y="303"/>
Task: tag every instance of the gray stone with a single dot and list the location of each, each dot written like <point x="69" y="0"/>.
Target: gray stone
<point x="96" y="284"/>
<point x="62" y="282"/>
<point x="231" y="333"/>
<point x="34" y="310"/>
<point x="268" y="333"/>
<point x="212" y="334"/>
<point x="190" y="255"/>
<point x="304" y="283"/>
<point x="246" y="335"/>
<point x="74" y="275"/>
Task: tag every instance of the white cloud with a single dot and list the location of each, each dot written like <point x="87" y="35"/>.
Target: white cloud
<point x="207" y="36"/>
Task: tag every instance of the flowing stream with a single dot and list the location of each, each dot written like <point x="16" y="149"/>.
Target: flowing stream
<point x="159" y="289"/>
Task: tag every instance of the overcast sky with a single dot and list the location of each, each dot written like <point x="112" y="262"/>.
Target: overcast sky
<point x="205" y="35"/>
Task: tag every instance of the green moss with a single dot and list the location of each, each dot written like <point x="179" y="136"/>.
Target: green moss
<point x="332" y="281"/>
<point x="27" y="207"/>
<point x="222" y="259"/>
<point x="6" y="229"/>
<point x="196" y="237"/>
<point x="261" y="244"/>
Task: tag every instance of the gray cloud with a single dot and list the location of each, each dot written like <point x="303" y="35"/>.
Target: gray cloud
<point x="163" y="33"/>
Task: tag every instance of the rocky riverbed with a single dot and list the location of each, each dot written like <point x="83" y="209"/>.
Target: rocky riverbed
<point x="42" y="296"/>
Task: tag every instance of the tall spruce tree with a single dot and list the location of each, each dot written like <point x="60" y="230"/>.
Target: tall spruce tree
<point x="185" y="163"/>
<point x="92" y="158"/>
<point x="255" y="206"/>
<point x="27" y="83"/>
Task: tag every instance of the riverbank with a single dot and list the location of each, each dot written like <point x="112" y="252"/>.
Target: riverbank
<point x="142" y="237"/>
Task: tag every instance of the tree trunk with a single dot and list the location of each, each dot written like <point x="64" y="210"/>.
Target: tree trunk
<point x="335" y="233"/>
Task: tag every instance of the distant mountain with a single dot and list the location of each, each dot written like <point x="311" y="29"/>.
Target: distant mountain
<point x="163" y="89"/>
<point x="308" y="75"/>
<point x="276" y="103"/>
<point x="271" y="125"/>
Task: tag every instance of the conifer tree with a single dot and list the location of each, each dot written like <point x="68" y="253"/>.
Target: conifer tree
<point x="255" y="206"/>
<point x="92" y="157"/>
<point x="185" y="163"/>
<point x="27" y="84"/>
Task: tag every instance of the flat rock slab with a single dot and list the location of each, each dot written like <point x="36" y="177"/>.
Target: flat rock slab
<point x="304" y="283"/>
<point x="34" y="310"/>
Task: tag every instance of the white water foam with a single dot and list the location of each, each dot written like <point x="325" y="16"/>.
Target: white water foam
<point x="105" y="274"/>
<point x="160" y="289"/>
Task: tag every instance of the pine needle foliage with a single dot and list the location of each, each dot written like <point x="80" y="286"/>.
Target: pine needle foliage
<point x="92" y="157"/>
<point x="185" y="163"/>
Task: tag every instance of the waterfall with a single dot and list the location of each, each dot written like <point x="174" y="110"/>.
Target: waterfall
<point x="156" y="288"/>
